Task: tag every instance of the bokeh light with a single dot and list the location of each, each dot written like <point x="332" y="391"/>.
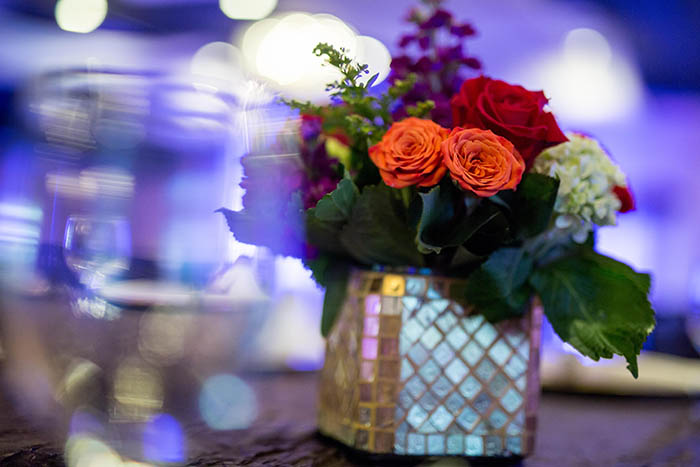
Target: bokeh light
<point x="247" y="9"/>
<point x="81" y="16"/>
<point x="587" y="81"/>
<point x="138" y="391"/>
<point x="80" y="384"/>
<point x="87" y="451"/>
<point x="375" y="54"/>
<point x="227" y="403"/>
<point x="107" y="182"/>
<point x="85" y="422"/>
<point x="587" y="42"/>
<point x="280" y="50"/>
<point x="217" y="65"/>
<point x="162" y="337"/>
<point x="20" y="223"/>
<point x="163" y="440"/>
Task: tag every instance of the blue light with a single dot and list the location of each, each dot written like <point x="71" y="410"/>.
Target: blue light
<point x="227" y="403"/>
<point x="163" y="440"/>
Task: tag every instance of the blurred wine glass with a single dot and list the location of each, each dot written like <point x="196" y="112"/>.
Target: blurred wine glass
<point x="96" y="248"/>
<point x="128" y="316"/>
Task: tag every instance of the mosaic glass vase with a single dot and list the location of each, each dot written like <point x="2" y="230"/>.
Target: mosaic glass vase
<point x="410" y="370"/>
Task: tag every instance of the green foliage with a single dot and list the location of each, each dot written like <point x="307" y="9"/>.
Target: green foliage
<point x="335" y="275"/>
<point x="379" y="230"/>
<point x="489" y="229"/>
<point x="336" y="207"/>
<point x="533" y="204"/>
<point x="504" y="244"/>
<point x="435" y="231"/>
<point x="445" y="222"/>
<point x="530" y="207"/>
<point x="421" y="109"/>
<point x="363" y="117"/>
<point x="596" y="304"/>
<point x="325" y="221"/>
<point x="499" y="288"/>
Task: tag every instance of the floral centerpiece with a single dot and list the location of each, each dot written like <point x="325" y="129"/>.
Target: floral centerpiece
<point x="433" y="213"/>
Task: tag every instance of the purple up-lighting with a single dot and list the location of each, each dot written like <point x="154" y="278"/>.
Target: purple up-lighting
<point x="163" y="440"/>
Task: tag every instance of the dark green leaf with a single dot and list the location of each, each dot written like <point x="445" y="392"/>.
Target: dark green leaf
<point x="318" y="267"/>
<point x="367" y="172"/>
<point x="499" y="288"/>
<point x="533" y="203"/>
<point x="445" y="222"/>
<point x="597" y="304"/>
<point x="323" y="235"/>
<point x="336" y="206"/>
<point x="379" y="230"/>
<point x="488" y="229"/>
<point x="325" y="221"/>
<point x="437" y="217"/>
<point x="336" y="276"/>
<point x="462" y="259"/>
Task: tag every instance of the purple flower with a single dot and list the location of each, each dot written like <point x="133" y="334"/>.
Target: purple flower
<point x="449" y="54"/>
<point x="310" y="127"/>
<point x="462" y="30"/>
<point x="472" y="62"/>
<point x="317" y="189"/>
<point x="406" y="40"/>
<point x="424" y="42"/>
<point x="401" y="65"/>
<point x="439" y="19"/>
<point x="442" y="113"/>
<point x="426" y="65"/>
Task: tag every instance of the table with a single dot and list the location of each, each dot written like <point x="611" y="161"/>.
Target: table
<point x="574" y="430"/>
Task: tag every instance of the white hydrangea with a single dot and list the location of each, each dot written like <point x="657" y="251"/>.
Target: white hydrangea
<point x="587" y="177"/>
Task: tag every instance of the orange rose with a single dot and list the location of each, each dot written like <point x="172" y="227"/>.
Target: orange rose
<point x="409" y="153"/>
<point x="482" y="162"/>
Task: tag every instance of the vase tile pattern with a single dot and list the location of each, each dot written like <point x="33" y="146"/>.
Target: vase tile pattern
<point x="411" y="371"/>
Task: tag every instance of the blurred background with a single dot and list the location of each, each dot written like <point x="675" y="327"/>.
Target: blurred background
<point x="122" y="123"/>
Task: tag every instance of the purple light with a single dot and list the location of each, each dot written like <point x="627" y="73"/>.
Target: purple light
<point x="163" y="440"/>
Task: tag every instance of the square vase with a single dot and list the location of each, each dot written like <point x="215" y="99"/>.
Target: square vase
<point x="409" y="370"/>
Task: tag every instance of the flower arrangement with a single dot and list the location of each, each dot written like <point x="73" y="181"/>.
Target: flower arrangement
<point x="467" y="177"/>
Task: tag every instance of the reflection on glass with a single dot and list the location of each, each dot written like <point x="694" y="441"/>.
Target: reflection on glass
<point x="96" y="248"/>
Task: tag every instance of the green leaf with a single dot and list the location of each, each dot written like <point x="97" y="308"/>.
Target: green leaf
<point x="323" y="235"/>
<point x="489" y="229"/>
<point x="379" y="231"/>
<point x="371" y="81"/>
<point x="597" y="304"/>
<point x="336" y="206"/>
<point x="499" y="288"/>
<point x="462" y="259"/>
<point x="438" y="212"/>
<point x="533" y="203"/>
<point x="325" y="221"/>
<point x="336" y="276"/>
<point x="445" y="223"/>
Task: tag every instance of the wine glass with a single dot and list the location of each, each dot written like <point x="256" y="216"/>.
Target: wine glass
<point x="96" y="248"/>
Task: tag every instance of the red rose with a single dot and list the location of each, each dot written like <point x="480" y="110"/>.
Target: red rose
<point x="509" y="111"/>
<point x="624" y="194"/>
